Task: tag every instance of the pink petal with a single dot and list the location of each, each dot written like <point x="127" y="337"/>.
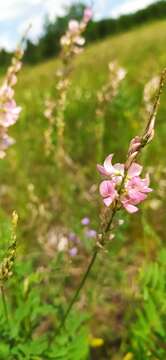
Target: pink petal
<point x="130" y="208"/>
<point x="73" y="25"/>
<point x="106" y="188"/>
<point x="108" y="201"/>
<point x="88" y="14"/>
<point x="108" y="164"/>
<point x="136" y="197"/>
<point x="134" y="170"/>
<point x="119" y="168"/>
<point x="102" y="170"/>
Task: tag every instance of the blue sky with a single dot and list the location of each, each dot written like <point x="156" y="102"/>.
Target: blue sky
<point x="15" y="15"/>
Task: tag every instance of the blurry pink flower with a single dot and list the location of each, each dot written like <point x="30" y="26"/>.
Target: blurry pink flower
<point x="136" y="190"/>
<point x="5" y="142"/>
<point x="9" y="113"/>
<point x="116" y="172"/>
<point x="88" y="13"/>
<point x="73" y="251"/>
<point x="85" y="221"/>
<point x="74" y="26"/>
<point x="6" y="92"/>
<point x="108" y="192"/>
<point x="65" y="40"/>
<point x="90" y="233"/>
<point x="13" y="79"/>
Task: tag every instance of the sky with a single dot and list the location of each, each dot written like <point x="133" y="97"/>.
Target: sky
<point x="15" y="15"/>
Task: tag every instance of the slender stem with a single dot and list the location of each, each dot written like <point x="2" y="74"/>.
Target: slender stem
<point x="4" y="304"/>
<point x="76" y="295"/>
<point x="87" y="272"/>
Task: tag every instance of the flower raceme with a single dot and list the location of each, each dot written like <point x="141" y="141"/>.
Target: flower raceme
<point x="73" y="40"/>
<point x="127" y="188"/>
<point x="9" y="111"/>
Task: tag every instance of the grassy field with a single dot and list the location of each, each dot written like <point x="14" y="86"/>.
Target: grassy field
<point x="141" y="52"/>
<point x="69" y="196"/>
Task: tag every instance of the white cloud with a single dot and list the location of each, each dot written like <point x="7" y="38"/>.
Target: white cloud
<point x="11" y="9"/>
<point x="130" y="6"/>
<point x="15" y="15"/>
<point x="6" y="42"/>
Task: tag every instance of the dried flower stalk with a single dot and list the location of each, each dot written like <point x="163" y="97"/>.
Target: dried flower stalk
<point x="71" y="43"/>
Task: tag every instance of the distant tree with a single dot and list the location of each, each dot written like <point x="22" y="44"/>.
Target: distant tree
<point x="48" y="44"/>
<point x="5" y="58"/>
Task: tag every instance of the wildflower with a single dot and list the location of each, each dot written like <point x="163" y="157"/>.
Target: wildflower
<point x="149" y="93"/>
<point x="116" y="171"/>
<point x="9" y="111"/>
<point x="90" y="233"/>
<point x="96" y="342"/>
<point x="121" y="222"/>
<point x="72" y="236"/>
<point x="108" y="192"/>
<point x="111" y="88"/>
<point x="6" y="141"/>
<point x="127" y="188"/>
<point x="62" y="244"/>
<point x="73" y="251"/>
<point x="85" y="221"/>
<point x="73" y="26"/>
<point x="136" y="190"/>
<point x="72" y="43"/>
<point x="88" y="13"/>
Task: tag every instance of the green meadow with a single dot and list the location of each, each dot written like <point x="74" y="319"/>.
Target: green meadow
<point x="122" y="309"/>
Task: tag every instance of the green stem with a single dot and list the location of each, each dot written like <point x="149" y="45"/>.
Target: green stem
<point x="4" y="304"/>
<point x="87" y="272"/>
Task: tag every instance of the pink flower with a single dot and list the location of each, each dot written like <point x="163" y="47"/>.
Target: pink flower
<point x="136" y="190"/>
<point x="116" y="172"/>
<point x="5" y="142"/>
<point x="108" y="192"/>
<point x="6" y="92"/>
<point x="85" y="221"/>
<point x="88" y="13"/>
<point x="73" y="251"/>
<point x="134" y="170"/>
<point x="9" y="113"/>
<point x="125" y="186"/>
<point x="74" y="26"/>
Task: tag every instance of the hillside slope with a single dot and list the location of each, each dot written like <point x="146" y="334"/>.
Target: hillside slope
<point x="142" y="53"/>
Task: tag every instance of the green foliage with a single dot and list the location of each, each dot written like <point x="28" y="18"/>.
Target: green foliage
<point x="149" y="327"/>
<point x="33" y="320"/>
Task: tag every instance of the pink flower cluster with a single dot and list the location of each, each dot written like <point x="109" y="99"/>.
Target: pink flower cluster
<point x="73" y="40"/>
<point x="9" y="111"/>
<point x="125" y="187"/>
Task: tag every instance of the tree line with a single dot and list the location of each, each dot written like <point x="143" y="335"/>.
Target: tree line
<point x="48" y="44"/>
